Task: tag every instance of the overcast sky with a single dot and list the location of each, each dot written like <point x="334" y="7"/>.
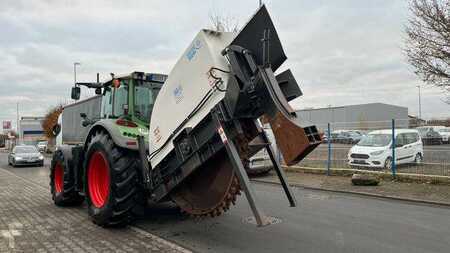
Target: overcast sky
<point x="341" y="52"/>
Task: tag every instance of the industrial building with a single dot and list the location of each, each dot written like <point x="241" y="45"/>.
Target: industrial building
<point x="363" y="116"/>
<point x="30" y="130"/>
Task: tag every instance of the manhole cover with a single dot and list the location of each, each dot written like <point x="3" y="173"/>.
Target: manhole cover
<point x="270" y="219"/>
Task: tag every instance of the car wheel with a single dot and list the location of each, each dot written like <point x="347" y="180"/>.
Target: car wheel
<point x="418" y="159"/>
<point x="388" y="163"/>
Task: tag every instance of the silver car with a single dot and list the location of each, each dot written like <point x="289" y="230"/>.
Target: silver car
<point x="25" y="155"/>
<point x="260" y="163"/>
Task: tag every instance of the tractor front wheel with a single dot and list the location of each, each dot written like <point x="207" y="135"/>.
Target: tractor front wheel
<point x="113" y="191"/>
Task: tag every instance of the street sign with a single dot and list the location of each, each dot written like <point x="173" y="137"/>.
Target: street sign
<point x="6" y="125"/>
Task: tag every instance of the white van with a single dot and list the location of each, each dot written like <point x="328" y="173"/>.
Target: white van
<point x="375" y="149"/>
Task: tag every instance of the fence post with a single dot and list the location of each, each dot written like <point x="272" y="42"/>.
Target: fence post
<point x="394" y="163"/>
<point x="329" y="149"/>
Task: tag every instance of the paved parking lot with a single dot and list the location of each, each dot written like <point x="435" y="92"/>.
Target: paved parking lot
<point x="436" y="159"/>
<point x="29" y="222"/>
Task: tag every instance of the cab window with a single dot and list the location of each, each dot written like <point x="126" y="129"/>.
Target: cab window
<point x="107" y="103"/>
<point x="121" y="99"/>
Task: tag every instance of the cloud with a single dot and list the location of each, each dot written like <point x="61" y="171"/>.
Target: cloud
<point x="341" y="52"/>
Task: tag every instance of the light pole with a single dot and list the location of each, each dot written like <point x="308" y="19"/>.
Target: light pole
<point x="17" y="123"/>
<point x="75" y="64"/>
<point x="420" y="107"/>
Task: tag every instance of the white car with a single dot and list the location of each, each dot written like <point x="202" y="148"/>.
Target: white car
<point x="42" y="146"/>
<point x="445" y="133"/>
<point x="375" y="149"/>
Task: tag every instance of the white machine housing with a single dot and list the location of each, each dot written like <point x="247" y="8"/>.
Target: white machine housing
<point x="179" y="96"/>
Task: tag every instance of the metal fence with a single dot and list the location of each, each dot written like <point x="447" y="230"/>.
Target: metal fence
<point x="392" y="146"/>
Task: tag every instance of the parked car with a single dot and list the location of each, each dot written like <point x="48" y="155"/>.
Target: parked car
<point x="345" y="136"/>
<point x="430" y="134"/>
<point x="375" y="149"/>
<point x="260" y="163"/>
<point x="445" y="134"/>
<point x="25" y="155"/>
<point x="42" y="146"/>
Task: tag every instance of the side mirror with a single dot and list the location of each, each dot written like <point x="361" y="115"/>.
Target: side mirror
<point x="83" y="115"/>
<point x="56" y="129"/>
<point x="85" y="123"/>
<point x="75" y="94"/>
<point x="98" y="91"/>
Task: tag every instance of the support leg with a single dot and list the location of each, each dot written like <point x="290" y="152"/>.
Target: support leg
<point x="244" y="181"/>
<point x="280" y="173"/>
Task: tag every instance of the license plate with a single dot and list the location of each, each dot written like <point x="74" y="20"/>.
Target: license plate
<point x="359" y="161"/>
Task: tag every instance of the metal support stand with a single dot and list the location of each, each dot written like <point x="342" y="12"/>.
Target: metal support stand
<point x="244" y="181"/>
<point x="280" y="173"/>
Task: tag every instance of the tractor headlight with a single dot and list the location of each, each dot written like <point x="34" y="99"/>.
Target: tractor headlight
<point x="377" y="152"/>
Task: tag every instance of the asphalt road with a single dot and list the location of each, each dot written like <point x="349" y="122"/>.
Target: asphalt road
<point x="324" y="222"/>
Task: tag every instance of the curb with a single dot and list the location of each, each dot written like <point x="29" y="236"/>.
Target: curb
<point x="420" y="201"/>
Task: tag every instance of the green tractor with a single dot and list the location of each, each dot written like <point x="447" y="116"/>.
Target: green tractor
<point x="103" y="148"/>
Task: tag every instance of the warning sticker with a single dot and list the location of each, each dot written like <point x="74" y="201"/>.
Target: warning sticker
<point x="222" y="135"/>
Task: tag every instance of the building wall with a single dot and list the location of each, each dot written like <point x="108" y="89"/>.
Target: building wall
<point x="363" y="117"/>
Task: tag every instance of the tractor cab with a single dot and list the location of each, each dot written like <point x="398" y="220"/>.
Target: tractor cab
<point x="129" y="98"/>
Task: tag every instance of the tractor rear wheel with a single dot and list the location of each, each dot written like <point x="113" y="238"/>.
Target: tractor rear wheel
<point x="113" y="190"/>
<point x="62" y="182"/>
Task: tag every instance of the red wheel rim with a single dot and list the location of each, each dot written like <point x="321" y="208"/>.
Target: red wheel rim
<point x="59" y="178"/>
<point x="98" y="179"/>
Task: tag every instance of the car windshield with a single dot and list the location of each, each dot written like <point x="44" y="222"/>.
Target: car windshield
<point x="444" y="130"/>
<point x="144" y="98"/>
<point x="375" y="140"/>
<point x="29" y="149"/>
<point x="42" y="143"/>
<point x="423" y="130"/>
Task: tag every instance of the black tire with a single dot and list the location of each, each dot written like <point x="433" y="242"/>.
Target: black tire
<point x="67" y="196"/>
<point x="125" y="199"/>
<point x="418" y="159"/>
<point x="388" y="163"/>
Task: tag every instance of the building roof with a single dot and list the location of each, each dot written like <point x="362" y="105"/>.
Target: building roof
<point x="343" y="106"/>
<point x="397" y="131"/>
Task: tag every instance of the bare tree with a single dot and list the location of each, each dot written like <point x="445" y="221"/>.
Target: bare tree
<point x="428" y="42"/>
<point x="222" y="23"/>
<point x="50" y="120"/>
